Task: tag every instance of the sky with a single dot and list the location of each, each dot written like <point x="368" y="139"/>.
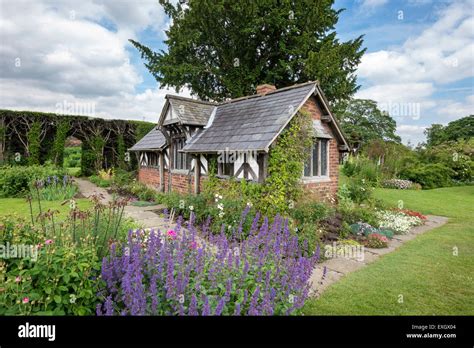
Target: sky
<point x="74" y="57"/>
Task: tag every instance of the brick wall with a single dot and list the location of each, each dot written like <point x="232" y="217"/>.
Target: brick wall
<point x="328" y="189"/>
<point x="179" y="182"/>
<point x="150" y="177"/>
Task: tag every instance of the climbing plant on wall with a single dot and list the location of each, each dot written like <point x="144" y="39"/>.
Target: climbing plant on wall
<point x="285" y="166"/>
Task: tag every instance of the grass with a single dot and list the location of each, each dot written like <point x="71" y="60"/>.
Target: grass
<point x="20" y="207"/>
<point x="424" y="272"/>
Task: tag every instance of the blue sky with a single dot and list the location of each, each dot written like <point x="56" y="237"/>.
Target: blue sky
<point x="418" y="66"/>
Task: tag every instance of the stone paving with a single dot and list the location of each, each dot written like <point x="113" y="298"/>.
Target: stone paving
<point x="146" y="217"/>
<point x="330" y="271"/>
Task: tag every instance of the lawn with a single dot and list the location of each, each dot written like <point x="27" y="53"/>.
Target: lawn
<point x="423" y="273"/>
<point x="20" y="206"/>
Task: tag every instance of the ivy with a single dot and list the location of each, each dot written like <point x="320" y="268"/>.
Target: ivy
<point x="285" y="166"/>
<point x="59" y="142"/>
<point x="34" y="143"/>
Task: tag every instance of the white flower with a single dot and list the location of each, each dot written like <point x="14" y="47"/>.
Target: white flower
<point x="220" y="197"/>
<point x="216" y="195"/>
<point x="221" y="214"/>
<point x="191" y="208"/>
<point x="220" y="206"/>
<point x="249" y="204"/>
<point x="72" y="298"/>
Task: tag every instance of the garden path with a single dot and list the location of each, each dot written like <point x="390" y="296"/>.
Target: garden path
<point x="146" y="217"/>
<point x="330" y="271"/>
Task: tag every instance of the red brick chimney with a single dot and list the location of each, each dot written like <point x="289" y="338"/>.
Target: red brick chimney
<point x="264" y="89"/>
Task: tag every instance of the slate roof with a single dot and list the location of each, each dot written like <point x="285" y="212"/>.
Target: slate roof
<point x="250" y="123"/>
<point x="189" y="111"/>
<point x="154" y="140"/>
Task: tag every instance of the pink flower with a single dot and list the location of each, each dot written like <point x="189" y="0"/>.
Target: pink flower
<point x="26" y="300"/>
<point x="193" y="245"/>
<point x="172" y="234"/>
<point x="18" y="279"/>
<point x="48" y="242"/>
<point x="39" y="246"/>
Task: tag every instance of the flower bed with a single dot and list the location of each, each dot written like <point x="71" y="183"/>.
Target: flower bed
<point x="181" y="274"/>
<point x="398" y="222"/>
<point x="400" y="184"/>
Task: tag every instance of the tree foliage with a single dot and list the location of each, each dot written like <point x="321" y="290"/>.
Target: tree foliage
<point x="362" y="121"/>
<point x="222" y="49"/>
<point x="34" y="143"/>
<point x="462" y="128"/>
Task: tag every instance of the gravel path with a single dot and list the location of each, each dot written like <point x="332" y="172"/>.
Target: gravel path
<point x="339" y="266"/>
<point x="146" y="217"/>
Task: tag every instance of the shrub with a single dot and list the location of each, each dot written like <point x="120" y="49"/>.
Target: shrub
<point x="429" y="176"/>
<point x="122" y="177"/>
<point x="376" y="240"/>
<point x="361" y="167"/>
<point x="310" y="212"/>
<point x="352" y="213"/>
<point x="178" y="274"/>
<point x="15" y="180"/>
<point x="359" y="190"/>
<point x="95" y="179"/>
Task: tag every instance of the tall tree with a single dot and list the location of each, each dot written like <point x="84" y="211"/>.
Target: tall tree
<point x="224" y="48"/>
<point x="462" y="128"/>
<point x="362" y="122"/>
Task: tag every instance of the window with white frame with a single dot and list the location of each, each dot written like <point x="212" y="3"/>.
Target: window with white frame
<point x="316" y="164"/>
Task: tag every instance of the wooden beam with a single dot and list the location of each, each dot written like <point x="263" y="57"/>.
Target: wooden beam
<point x="197" y="174"/>
<point x="170" y="165"/>
<point x="162" y="171"/>
<point x="251" y="172"/>
<point x="262" y="161"/>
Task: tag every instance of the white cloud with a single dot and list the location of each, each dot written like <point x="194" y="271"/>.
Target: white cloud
<point x="411" y="133"/>
<point x="371" y="4"/>
<point x="452" y="110"/>
<point x="412" y="73"/>
<point x="76" y="52"/>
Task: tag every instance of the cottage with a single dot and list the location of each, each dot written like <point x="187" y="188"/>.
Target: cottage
<point x="239" y="133"/>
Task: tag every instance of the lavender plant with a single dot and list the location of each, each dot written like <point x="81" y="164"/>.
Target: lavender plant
<point x="180" y="273"/>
